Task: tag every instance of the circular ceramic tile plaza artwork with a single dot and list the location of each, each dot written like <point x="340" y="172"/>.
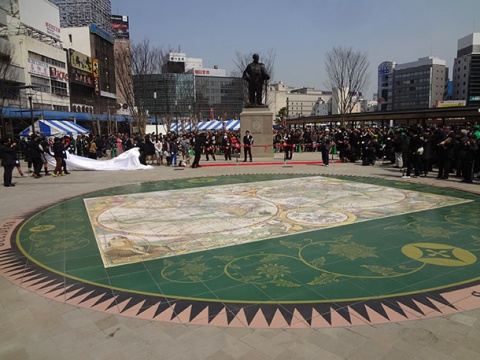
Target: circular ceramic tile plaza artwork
<point x="272" y="251"/>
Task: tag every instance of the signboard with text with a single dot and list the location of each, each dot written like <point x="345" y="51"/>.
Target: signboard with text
<point x="449" y="103"/>
<point x="120" y="26"/>
<point x="57" y="74"/>
<point x="38" y="67"/>
<point x="96" y="76"/>
<point x="41" y="15"/>
<point x="81" y="77"/>
<point x="80" y="61"/>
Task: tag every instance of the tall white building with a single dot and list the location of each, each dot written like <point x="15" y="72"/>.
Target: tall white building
<point x="466" y="70"/>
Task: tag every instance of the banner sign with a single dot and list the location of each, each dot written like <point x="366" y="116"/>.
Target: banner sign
<point x="38" y="67"/>
<point x="81" y="77"/>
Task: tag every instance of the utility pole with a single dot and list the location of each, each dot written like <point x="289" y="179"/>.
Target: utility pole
<point x="32" y="120"/>
<point x="155" y="109"/>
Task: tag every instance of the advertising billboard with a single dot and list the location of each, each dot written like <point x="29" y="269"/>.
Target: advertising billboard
<point x="120" y="27"/>
<point x="449" y="103"/>
<point x="80" y="61"/>
<point x="41" y="15"/>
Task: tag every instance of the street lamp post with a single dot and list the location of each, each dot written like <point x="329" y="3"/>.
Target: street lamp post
<point x="155" y="109"/>
<point x="32" y="120"/>
<point x="176" y="114"/>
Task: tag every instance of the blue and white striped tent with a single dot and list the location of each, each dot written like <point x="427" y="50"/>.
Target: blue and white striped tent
<point x="208" y="125"/>
<point x="176" y="127"/>
<point x="219" y="125"/>
<point x="55" y="128"/>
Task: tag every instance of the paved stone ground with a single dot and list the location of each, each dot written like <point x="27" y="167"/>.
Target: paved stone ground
<point x="33" y="327"/>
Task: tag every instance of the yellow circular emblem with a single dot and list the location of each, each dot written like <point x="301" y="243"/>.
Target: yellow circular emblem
<point x="439" y="254"/>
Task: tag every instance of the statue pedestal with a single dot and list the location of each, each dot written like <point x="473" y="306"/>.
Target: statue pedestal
<point x="259" y="121"/>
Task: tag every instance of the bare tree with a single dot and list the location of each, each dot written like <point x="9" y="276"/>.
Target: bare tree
<point x="130" y="60"/>
<point x="242" y="60"/>
<point x="146" y="59"/>
<point x="347" y="72"/>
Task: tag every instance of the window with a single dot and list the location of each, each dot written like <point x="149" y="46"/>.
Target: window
<point x="57" y="63"/>
<point x="42" y="84"/>
<point x="59" y="88"/>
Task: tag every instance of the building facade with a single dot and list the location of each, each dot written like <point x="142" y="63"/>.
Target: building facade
<point x="91" y="63"/>
<point x="34" y="35"/>
<point x="80" y="13"/>
<point x="186" y="90"/>
<point x="419" y="84"/>
<point x="218" y="97"/>
<point x="466" y="70"/>
<point x="385" y="86"/>
<point x="299" y="102"/>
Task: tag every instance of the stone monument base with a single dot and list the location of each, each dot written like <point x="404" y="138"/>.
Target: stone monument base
<point x="259" y="121"/>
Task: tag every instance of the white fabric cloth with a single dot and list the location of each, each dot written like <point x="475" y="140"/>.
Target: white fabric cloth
<point x="127" y="160"/>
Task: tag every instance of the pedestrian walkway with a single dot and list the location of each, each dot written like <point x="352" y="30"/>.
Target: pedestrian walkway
<point x="33" y="326"/>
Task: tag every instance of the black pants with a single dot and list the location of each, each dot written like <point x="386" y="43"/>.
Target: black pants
<point x="247" y="150"/>
<point x="7" y="174"/>
<point x="467" y="170"/>
<point x="196" y="159"/>
<point x="444" y="167"/>
<point x="228" y="153"/>
<point x="288" y="151"/>
<point x="413" y="163"/>
<point x="37" y="166"/>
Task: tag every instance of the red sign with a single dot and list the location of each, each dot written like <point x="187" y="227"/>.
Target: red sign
<point x="81" y="77"/>
<point x="58" y="75"/>
<point x="52" y="27"/>
<point x="202" y="72"/>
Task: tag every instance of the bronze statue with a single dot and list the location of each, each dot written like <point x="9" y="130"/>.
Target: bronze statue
<point x="256" y="75"/>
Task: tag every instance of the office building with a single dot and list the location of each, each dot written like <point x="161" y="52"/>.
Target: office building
<point x="419" y="84"/>
<point x="466" y="70"/>
<point x="80" y="13"/>
<point x="385" y="85"/>
<point x="187" y="90"/>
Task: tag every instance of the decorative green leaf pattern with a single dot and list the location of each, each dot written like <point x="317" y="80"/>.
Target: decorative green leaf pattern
<point x="324" y="279"/>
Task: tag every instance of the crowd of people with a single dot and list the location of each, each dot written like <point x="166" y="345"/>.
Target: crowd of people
<point x="415" y="150"/>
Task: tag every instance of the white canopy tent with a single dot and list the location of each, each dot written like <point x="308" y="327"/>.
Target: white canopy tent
<point x="55" y="128"/>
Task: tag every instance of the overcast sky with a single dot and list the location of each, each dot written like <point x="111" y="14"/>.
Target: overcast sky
<point x="300" y="32"/>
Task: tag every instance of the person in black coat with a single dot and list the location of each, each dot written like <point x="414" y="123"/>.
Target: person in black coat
<point x="58" y="149"/>
<point x="36" y="155"/>
<point x="198" y="146"/>
<point x="8" y="151"/>
<point x="415" y="150"/>
<point x="143" y="150"/>
<point x="247" y="145"/>
<point x="445" y="153"/>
